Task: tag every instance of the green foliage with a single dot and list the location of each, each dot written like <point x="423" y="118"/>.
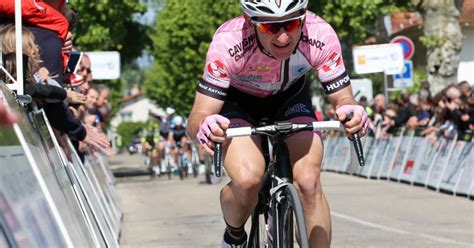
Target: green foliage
<point x="183" y="32"/>
<point x="111" y="26"/>
<point x="106" y="25"/>
<point x="129" y="130"/>
<point x="354" y="20"/>
<point x="431" y="41"/>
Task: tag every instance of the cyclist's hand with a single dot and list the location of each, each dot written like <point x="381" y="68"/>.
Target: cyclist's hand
<point x="359" y="121"/>
<point x="212" y="129"/>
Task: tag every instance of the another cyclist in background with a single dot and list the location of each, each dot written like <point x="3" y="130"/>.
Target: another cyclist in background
<point x="256" y="69"/>
<point x="150" y="145"/>
<point x="165" y="127"/>
<point x="178" y="139"/>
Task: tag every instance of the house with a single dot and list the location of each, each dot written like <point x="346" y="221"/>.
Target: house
<point x="135" y="107"/>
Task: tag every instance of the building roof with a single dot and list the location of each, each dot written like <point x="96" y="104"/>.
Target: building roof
<point x="467" y="13"/>
<point x="404" y="20"/>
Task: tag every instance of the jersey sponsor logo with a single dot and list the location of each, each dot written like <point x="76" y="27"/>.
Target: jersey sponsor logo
<point x="241" y="48"/>
<point x="210" y="90"/>
<point x="333" y="62"/>
<point x="297" y="109"/>
<point x="337" y="85"/>
<point x="249" y="78"/>
<point x="313" y="42"/>
<point x="259" y="67"/>
<point x="299" y="70"/>
<point x="216" y="69"/>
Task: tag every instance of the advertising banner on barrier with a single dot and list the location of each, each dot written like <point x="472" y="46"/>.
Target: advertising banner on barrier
<point x="466" y="179"/>
<point x="25" y="187"/>
<point x="418" y="147"/>
<point x="424" y="161"/>
<point x="380" y="149"/>
<point x="92" y="199"/>
<point x="455" y="166"/>
<point x="400" y="158"/>
<point x="369" y="155"/>
<point x="333" y="150"/>
<point x="391" y="153"/>
<point x="440" y="162"/>
<point x="59" y="169"/>
<point x="328" y="150"/>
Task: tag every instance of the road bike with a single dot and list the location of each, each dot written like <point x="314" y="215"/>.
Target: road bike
<point x="278" y="219"/>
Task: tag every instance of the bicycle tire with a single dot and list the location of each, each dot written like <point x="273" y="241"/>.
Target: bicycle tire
<point x="289" y="210"/>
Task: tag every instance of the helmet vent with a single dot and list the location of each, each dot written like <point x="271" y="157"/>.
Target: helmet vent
<point x="265" y="9"/>
<point x="291" y="6"/>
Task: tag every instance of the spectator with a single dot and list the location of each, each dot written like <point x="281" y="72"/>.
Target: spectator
<point x="406" y="110"/>
<point x="424" y="114"/>
<point x="466" y="93"/>
<point x="458" y="112"/>
<point x="104" y="109"/>
<point x="36" y="81"/>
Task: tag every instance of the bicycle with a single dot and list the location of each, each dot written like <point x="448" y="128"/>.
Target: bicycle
<point x="279" y="204"/>
<point x="194" y="158"/>
<point x="165" y="162"/>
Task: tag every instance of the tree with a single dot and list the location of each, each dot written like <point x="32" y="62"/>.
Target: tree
<point x="443" y="38"/>
<point x="111" y="26"/>
<point x="183" y="32"/>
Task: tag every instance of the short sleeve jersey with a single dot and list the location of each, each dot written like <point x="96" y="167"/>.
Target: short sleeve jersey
<point x="235" y="58"/>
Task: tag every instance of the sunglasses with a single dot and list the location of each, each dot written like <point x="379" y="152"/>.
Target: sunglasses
<point x="273" y="27"/>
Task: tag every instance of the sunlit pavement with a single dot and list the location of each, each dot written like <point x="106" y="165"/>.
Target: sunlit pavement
<point x="365" y="213"/>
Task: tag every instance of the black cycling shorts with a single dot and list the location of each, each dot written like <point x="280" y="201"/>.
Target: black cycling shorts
<point x="292" y="103"/>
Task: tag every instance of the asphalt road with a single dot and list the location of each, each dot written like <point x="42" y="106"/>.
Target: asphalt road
<point x="365" y="213"/>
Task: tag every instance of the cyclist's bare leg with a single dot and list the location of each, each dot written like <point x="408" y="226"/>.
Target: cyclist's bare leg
<point x="245" y="166"/>
<point x="186" y="147"/>
<point x="306" y="152"/>
<point x="161" y="148"/>
<point x="175" y="153"/>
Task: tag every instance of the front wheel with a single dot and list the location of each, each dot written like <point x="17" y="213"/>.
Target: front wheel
<point x="290" y="224"/>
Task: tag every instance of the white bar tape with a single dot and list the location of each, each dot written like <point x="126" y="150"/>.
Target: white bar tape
<point x="238" y="131"/>
<point x="327" y="125"/>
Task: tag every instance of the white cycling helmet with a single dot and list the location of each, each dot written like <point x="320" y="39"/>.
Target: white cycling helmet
<point x="272" y="8"/>
<point x="178" y="120"/>
<point x="170" y="111"/>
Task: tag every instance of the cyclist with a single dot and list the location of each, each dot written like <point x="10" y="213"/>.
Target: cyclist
<point x="149" y="143"/>
<point x="165" y="127"/>
<point x="255" y="68"/>
<point x="178" y="139"/>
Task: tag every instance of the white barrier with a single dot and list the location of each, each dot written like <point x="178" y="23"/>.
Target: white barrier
<point x="45" y="200"/>
<point x="407" y="156"/>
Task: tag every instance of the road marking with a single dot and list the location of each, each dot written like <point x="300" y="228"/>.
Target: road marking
<point x="396" y="230"/>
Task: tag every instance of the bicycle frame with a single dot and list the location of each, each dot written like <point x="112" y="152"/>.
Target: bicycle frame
<point x="278" y="173"/>
<point x="277" y="192"/>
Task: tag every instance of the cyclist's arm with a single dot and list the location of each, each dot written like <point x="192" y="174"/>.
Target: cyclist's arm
<point x="342" y="97"/>
<point x="203" y="106"/>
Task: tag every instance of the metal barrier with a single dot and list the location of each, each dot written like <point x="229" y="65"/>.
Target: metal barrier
<point x="409" y="157"/>
<point x="47" y="200"/>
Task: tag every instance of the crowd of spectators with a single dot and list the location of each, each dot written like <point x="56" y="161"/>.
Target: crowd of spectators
<point x="446" y="113"/>
<point x="75" y="106"/>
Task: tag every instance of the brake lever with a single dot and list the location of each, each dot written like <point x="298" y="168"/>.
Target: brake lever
<point x="357" y="143"/>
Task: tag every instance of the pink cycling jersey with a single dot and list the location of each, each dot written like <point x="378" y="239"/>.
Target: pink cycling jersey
<point x="235" y="58"/>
